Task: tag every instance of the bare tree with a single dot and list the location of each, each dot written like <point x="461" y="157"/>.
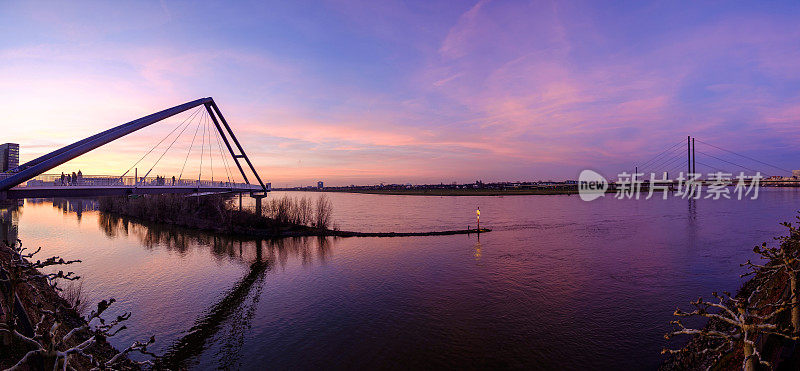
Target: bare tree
<point x="19" y="271"/>
<point x="48" y="346"/>
<point x="743" y="322"/>
<point x="781" y="260"/>
<point x="323" y="212"/>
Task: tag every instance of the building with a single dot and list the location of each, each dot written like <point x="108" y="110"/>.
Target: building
<point x="320" y="185"/>
<point x="796" y="173"/>
<point x="9" y="156"/>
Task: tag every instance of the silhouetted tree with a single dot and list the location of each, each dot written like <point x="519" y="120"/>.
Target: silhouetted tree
<point x="52" y="344"/>
<point x="742" y="320"/>
<point x="782" y="261"/>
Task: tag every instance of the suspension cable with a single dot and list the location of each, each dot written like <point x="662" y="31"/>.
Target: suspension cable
<point x="190" y="150"/>
<point x="167" y="149"/>
<point x="662" y="152"/>
<point x="675" y="168"/>
<point x="747" y="157"/>
<point x="670" y="162"/>
<point x="210" y="157"/>
<point x="744" y="167"/>
<point x="711" y="167"/>
<point x="202" y="152"/>
<point x="159" y="143"/>
<point x="222" y="154"/>
<point x="665" y="161"/>
<point x="675" y="151"/>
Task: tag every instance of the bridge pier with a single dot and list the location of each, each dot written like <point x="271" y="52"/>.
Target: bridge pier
<point x="258" y="202"/>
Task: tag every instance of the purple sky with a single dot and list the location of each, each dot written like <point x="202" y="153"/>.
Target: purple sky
<point x="385" y="91"/>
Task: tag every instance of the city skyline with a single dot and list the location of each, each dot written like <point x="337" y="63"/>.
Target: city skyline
<point x="364" y="93"/>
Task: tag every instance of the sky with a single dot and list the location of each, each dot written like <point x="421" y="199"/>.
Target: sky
<point x="367" y="92"/>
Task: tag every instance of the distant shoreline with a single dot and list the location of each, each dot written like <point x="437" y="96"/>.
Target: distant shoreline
<point x="449" y="192"/>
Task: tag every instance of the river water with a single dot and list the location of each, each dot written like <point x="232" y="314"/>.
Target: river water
<point x="559" y="282"/>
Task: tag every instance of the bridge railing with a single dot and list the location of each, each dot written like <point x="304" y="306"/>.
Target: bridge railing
<point x="56" y="180"/>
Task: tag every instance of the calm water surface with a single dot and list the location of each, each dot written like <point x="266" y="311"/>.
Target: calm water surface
<point x="558" y="283"/>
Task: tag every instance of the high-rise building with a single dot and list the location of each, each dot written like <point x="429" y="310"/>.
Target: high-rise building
<point x="9" y="156"/>
<point x="320" y="185"/>
<point x="796" y="173"/>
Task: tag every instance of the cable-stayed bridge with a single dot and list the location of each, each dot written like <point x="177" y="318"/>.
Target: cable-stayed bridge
<point x="212" y="135"/>
<point x="705" y="160"/>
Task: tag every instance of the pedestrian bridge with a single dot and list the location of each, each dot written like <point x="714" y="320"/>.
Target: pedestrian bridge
<point x="30" y="181"/>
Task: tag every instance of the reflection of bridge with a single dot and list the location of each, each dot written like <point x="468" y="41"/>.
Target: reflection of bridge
<point x="29" y="181"/>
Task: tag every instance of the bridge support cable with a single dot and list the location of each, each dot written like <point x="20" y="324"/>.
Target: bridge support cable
<point x="680" y="166"/>
<point x="666" y="157"/>
<point x="210" y="153"/>
<point x="227" y="144"/>
<point x="644" y="164"/>
<point x="170" y="146"/>
<point x="666" y="160"/>
<point x="212" y="105"/>
<point x="202" y="149"/>
<point x="747" y="157"/>
<point x="711" y="167"/>
<point x="668" y="164"/>
<point x="728" y="162"/>
<point x="222" y="155"/>
<point x="190" y="151"/>
<point x="224" y="159"/>
<point x="188" y="118"/>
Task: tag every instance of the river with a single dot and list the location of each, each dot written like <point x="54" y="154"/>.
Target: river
<point x="559" y="282"/>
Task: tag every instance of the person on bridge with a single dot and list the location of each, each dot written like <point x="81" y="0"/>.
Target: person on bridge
<point x="74" y="178"/>
<point x="62" y="178"/>
<point x="173" y="180"/>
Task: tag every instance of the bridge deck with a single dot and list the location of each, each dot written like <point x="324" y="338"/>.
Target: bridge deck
<point x="95" y="191"/>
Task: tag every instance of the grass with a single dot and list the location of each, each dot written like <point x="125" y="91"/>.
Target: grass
<point x="75" y="296"/>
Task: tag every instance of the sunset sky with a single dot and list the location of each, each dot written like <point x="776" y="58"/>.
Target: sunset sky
<point x="413" y="92"/>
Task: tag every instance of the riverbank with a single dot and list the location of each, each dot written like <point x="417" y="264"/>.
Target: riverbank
<point x="217" y="214"/>
<point x="33" y="302"/>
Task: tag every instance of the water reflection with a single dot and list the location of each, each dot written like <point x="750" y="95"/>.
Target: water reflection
<point x="9" y="221"/>
<point x="229" y="320"/>
<point x="235" y="311"/>
<point x="477" y="248"/>
<point x="226" y="321"/>
<point x="558" y="283"/>
<point x="178" y="239"/>
<point x="75" y="206"/>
